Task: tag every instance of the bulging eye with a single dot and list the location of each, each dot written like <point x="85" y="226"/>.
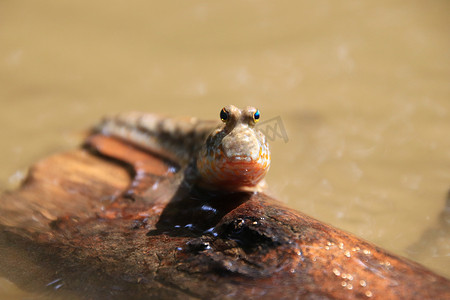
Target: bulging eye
<point x="256" y="116"/>
<point x="223" y="115"/>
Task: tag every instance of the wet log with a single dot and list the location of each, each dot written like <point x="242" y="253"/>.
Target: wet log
<point x="70" y="229"/>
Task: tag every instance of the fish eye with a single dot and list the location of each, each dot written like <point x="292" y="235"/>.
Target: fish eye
<point x="256" y="116"/>
<point x="223" y="115"/>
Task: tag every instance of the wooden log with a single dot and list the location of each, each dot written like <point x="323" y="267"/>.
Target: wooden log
<point x="69" y="229"/>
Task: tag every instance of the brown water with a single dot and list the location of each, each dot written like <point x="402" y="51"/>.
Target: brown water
<point x="362" y="88"/>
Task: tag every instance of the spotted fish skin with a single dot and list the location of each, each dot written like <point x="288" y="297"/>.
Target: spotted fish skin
<point x="233" y="155"/>
<point x="177" y="139"/>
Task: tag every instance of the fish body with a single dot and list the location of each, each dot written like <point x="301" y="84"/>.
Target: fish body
<point x="228" y="155"/>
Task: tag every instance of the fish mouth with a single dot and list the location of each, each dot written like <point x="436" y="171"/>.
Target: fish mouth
<point x="240" y="158"/>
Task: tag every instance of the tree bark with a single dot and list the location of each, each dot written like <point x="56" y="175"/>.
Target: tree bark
<point x="70" y="229"/>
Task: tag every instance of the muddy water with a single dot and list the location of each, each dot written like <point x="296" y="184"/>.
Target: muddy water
<point x="361" y="87"/>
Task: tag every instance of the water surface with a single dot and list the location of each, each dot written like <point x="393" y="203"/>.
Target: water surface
<point x="362" y="89"/>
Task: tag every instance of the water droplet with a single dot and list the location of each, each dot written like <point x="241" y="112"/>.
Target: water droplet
<point x="336" y="272"/>
<point x="208" y="208"/>
<point x="350" y="286"/>
<point x="54" y="281"/>
<point x="17" y="177"/>
<point x="347" y="253"/>
<point x="369" y="294"/>
<point x="155" y="185"/>
<point x="209" y="230"/>
<point x="362" y="283"/>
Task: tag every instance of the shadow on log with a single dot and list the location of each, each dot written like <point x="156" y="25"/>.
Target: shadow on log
<point x="69" y="230"/>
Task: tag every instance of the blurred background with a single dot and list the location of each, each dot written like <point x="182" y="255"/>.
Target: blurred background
<point x="362" y="88"/>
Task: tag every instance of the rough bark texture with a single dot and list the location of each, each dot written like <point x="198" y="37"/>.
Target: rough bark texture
<point x="69" y="229"/>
